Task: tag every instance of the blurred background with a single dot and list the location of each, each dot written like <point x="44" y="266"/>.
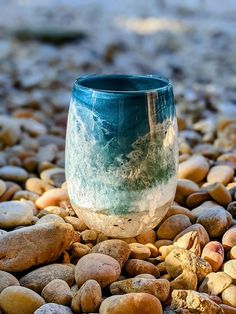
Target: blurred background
<point x="45" y="45"/>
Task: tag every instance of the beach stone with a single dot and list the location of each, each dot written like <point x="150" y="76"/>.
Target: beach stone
<point x="228" y="309"/>
<point x="219" y="193"/>
<point x="57" y="291"/>
<point x="147" y="237"/>
<point x="215" y="283"/>
<point x="184" y="189"/>
<point x="195" y="302"/>
<point x="165" y="250"/>
<point x="202" y="233"/>
<point x="132" y="303"/>
<point x="153" y="249"/>
<point x="160" y="288"/>
<point x="213" y="253"/>
<point x="37" y="186"/>
<point x="135" y="267"/>
<point x="52" y="197"/>
<point x="3" y="187"/>
<point x="22" y="249"/>
<point x="88" y="298"/>
<point x="228" y="296"/>
<point x="47" y="153"/>
<point x="100" y="267"/>
<point x="160" y="243"/>
<point x="16" y="299"/>
<point x="229" y="238"/>
<point x="89" y="236"/>
<point x="56" y="210"/>
<point x="215" y="220"/>
<point x="53" y="176"/>
<point x="53" y="308"/>
<point x="37" y="279"/>
<point x="187" y="280"/>
<point x="195" y="168"/>
<point x="197" y="198"/>
<point x="78" y="250"/>
<point x="7" y="280"/>
<point x="15" y="213"/>
<point x="229" y="268"/>
<point x="173" y="226"/>
<point x="177" y="209"/>
<point x="233" y="252"/>
<point x="12" y="188"/>
<point x="76" y="222"/>
<point x="13" y="173"/>
<point x="223" y="174"/>
<point x="10" y="130"/>
<point x="190" y="241"/>
<point x="180" y="259"/>
<point x="50" y="218"/>
<point x="139" y="251"/>
<point x="25" y="195"/>
<point x="118" y="249"/>
<point x="231" y="208"/>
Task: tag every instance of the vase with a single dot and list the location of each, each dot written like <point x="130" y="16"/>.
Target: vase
<point x="121" y="152"/>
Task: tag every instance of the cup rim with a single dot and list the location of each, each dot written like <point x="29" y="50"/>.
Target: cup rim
<point x="79" y="86"/>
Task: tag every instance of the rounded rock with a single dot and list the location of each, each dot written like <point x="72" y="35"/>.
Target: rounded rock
<point x="197" y="198"/>
<point x="233" y="252"/>
<point x="195" y="168"/>
<point x="215" y="283"/>
<point x="147" y="237"/>
<point x="139" y="251"/>
<point x="184" y="189"/>
<point x="219" y="193"/>
<point x="213" y="253"/>
<point x="7" y="280"/>
<point x="100" y="267"/>
<point x="57" y="291"/>
<point x="54" y="239"/>
<point x="132" y="303"/>
<point x="53" y="308"/>
<point x="136" y="267"/>
<point x="228" y="296"/>
<point x="52" y="197"/>
<point x="202" y="233"/>
<point x="173" y="226"/>
<point x="229" y="238"/>
<point x="37" y="279"/>
<point x="15" y="213"/>
<point x="36" y="185"/>
<point x="223" y="174"/>
<point x="15" y="300"/>
<point x="53" y="176"/>
<point x="118" y="249"/>
<point x="231" y="208"/>
<point x="50" y="218"/>
<point x="230" y="268"/>
<point x="13" y="173"/>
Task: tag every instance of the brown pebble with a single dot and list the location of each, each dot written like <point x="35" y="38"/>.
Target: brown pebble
<point x="195" y="168"/>
<point x="219" y="193"/>
<point x="136" y="267"/>
<point x="197" y="198"/>
<point x="223" y="174"/>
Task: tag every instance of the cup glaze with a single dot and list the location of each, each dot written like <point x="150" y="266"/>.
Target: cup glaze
<point x="121" y="152"/>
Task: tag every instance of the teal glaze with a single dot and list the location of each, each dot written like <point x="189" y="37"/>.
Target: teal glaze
<point x="115" y="149"/>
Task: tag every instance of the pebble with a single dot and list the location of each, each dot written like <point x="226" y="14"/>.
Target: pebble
<point x="219" y="193"/>
<point x="173" y="226"/>
<point x="197" y="198"/>
<point x="177" y="209"/>
<point x="160" y="288"/>
<point x="228" y="296"/>
<point x="12" y="188"/>
<point x="53" y="176"/>
<point x="88" y="298"/>
<point x="89" y="236"/>
<point x="202" y="233"/>
<point x="15" y="213"/>
<point x="53" y="308"/>
<point x="229" y="268"/>
<point x="139" y="251"/>
<point x="195" y="302"/>
<point x="213" y="253"/>
<point x="186" y="280"/>
<point x="100" y="267"/>
<point x="50" y="218"/>
<point x="195" y="168"/>
<point x="37" y="186"/>
<point x="52" y="197"/>
<point x="190" y="241"/>
<point x="7" y="280"/>
<point x="3" y="187"/>
<point x="215" y="283"/>
<point x="56" y="210"/>
<point x="233" y="252"/>
<point x="16" y="299"/>
<point x="13" y="173"/>
<point x="25" y="195"/>
<point x="37" y="279"/>
<point x="229" y="238"/>
<point x="54" y="239"/>
<point x="78" y="250"/>
<point x="231" y="208"/>
<point x="10" y="130"/>
<point x="147" y="237"/>
<point x="180" y="259"/>
<point x="228" y="309"/>
<point x="132" y="303"/>
<point x="184" y="189"/>
<point x="223" y="174"/>
<point x="57" y="291"/>
<point x="135" y="267"/>
<point x="118" y="249"/>
<point x="76" y="222"/>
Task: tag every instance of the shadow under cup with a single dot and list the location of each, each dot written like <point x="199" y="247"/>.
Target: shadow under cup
<point x="121" y="152"/>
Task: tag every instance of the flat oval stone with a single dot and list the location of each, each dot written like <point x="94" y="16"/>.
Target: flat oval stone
<point x="15" y="300"/>
<point x="37" y="279"/>
<point x="15" y="213"/>
<point x="195" y="168"/>
<point x="13" y="173"/>
<point x="51" y="308"/>
<point x="31" y="246"/>
<point x="7" y="280"/>
<point x="53" y="176"/>
<point x="222" y="174"/>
